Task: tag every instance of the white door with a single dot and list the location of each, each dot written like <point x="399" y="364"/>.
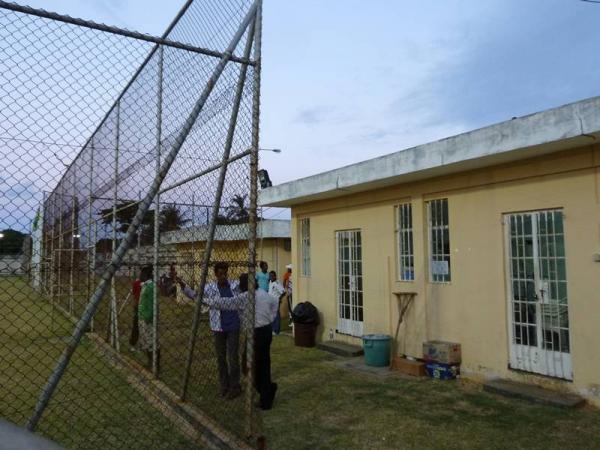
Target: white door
<point x="538" y="313"/>
<point x="349" y="282"/>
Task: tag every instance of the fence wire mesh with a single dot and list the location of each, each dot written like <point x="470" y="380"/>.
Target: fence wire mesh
<point x="90" y="120"/>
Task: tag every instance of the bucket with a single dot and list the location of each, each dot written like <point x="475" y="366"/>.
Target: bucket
<point x="377" y="349"/>
<point x="304" y="334"/>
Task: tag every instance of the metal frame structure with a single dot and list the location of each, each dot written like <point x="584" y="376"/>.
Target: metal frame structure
<point x="61" y="235"/>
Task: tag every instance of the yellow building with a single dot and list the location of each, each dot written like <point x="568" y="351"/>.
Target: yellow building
<point x="497" y="231"/>
<point x="231" y="245"/>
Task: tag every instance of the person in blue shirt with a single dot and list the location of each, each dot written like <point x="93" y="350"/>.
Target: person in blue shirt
<point x="262" y="277"/>
<point x="225" y="326"/>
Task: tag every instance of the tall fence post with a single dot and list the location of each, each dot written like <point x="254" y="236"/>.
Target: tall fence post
<point x="250" y="419"/>
<point x="215" y="212"/>
<point x="155" y="303"/>
<point x="61" y="241"/>
<point x="90" y="239"/>
<point x="114" y="321"/>
<point x="127" y="241"/>
<point x="72" y="262"/>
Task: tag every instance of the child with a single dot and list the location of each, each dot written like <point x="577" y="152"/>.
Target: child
<point x="146" y="317"/>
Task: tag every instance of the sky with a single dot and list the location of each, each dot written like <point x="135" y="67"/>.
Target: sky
<point x="348" y="80"/>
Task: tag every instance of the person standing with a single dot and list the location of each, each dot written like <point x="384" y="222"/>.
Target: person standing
<point x="262" y="277"/>
<point x="276" y="290"/>
<point x="225" y="326"/>
<point x="266" y="307"/>
<point x="287" y="285"/>
<point x="146" y="316"/>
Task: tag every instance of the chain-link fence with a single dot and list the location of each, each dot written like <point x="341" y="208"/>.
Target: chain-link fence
<point x="128" y="197"/>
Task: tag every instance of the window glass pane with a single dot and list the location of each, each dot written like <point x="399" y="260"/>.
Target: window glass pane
<point x="561" y="269"/>
<point x="444" y="207"/>
<point x="564" y="341"/>
<point x="305" y="246"/>
<point x="526" y="224"/>
<point x="404" y="239"/>
<point x="558" y="222"/>
<point x="446" y="241"/>
<point x="560" y="245"/>
<point x="440" y="247"/>
<point x="528" y="243"/>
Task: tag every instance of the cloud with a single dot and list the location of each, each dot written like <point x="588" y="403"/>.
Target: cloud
<point x="322" y="115"/>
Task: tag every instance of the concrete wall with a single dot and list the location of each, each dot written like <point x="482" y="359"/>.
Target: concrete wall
<point x="472" y="309"/>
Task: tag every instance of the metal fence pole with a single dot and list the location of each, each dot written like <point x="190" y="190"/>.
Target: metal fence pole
<point x="215" y="212"/>
<point x="94" y="265"/>
<point x="117" y="259"/>
<point x="52" y="261"/>
<point x="60" y="241"/>
<point x="156" y="314"/>
<point x="113" y="322"/>
<point x="72" y="262"/>
<point x="52" y="239"/>
<point x="89" y="240"/>
<point x="250" y="423"/>
<point x="193" y="255"/>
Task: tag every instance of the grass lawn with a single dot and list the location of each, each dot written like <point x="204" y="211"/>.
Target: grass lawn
<point x="318" y="405"/>
<point x="94" y="407"/>
<point x="322" y="406"/>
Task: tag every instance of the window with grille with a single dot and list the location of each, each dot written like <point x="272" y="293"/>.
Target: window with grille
<point x="439" y="241"/>
<point x="305" y="246"/>
<point x="404" y="237"/>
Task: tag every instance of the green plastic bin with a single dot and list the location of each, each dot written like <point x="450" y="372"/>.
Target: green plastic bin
<point x="377" y="349"/>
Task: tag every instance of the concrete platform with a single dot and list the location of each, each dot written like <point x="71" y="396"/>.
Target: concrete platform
<point x="358" y="365"/>
<point x="533" y="393"/>
<point x="341" y="349"/>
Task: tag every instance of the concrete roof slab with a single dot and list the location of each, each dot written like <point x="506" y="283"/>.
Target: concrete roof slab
<point x="549" y="131"/>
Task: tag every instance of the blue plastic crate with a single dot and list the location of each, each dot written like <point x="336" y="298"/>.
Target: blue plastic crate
<point x="441" y="371"/>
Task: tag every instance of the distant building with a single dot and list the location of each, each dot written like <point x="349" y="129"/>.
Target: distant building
<point x="495" y="230"/>
<point x="231" y="244"/>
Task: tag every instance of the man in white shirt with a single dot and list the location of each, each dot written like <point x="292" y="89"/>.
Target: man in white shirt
<point x="277" y="291"/>
<point x="266" y="308"/>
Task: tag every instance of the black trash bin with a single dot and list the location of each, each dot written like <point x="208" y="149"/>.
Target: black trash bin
<point x="306" y="319"/>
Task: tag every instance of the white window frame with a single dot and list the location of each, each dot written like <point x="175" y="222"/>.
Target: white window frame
<point x="436" y="229"/>
<point x="404" y="241"/>
<point x="305" y="247"/>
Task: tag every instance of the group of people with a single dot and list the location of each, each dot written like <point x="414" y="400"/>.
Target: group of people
<point x="227" y="301"/>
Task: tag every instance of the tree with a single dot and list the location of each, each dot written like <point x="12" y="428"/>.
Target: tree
<point x="12" y="242"/>
<point x="171" y="219"/>
<point x="236" y="213"/>
<point x="126" y="211"/>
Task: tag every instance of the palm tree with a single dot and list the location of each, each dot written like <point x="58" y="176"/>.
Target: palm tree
<point x="235" y="213"/>
<point x="171" y="219"/>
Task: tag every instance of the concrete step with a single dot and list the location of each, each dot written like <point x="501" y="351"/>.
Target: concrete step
<point x="533" y="393"/>
<point x="341" y="348"/>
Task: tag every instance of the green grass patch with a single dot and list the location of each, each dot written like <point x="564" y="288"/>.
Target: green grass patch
<point x="320" y="405"/>
<point x="94" y="406"/>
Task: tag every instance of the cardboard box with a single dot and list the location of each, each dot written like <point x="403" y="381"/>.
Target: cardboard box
<point x="441" y="371"/>
<point x="442" y="352"/>
<point x="408" y="367"/>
